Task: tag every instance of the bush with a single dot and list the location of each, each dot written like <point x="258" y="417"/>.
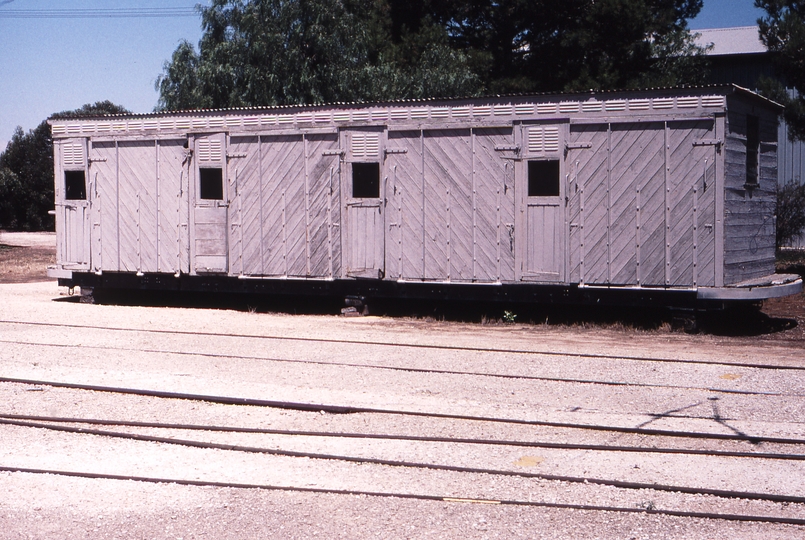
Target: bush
<point x="790" y="213"/>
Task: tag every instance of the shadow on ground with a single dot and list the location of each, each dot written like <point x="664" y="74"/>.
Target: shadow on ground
<point x="744" y="320"/>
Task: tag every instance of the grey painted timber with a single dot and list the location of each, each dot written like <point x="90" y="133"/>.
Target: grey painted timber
<point x="669" y="189"/>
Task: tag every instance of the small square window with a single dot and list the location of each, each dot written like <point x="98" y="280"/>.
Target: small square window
<point x="366" y="180"/>
<point x="75" y="186"/>
<point x="211" y="184"/>
<point x="543" y="178"/>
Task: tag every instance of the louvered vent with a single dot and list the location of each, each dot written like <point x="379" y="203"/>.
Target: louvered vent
<point x="210" y="150"/>
<point x="72" y="154"/>
<point x="365" y="145"/>
<point x="543" y="139"/>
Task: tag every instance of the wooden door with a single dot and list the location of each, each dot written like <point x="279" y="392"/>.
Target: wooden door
<point x="363" y="206"/>
<point x="541" y="236"/>
<point x="72" y="208"/>
<point x="210" y="209"/>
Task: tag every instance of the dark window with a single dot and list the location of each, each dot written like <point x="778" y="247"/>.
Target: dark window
<point x="75" y="186"/>
<point x="211" y="184"/>
<point x="366" y="180"/>
<point x="543" y="178"/>
<point x="752" y="149"/>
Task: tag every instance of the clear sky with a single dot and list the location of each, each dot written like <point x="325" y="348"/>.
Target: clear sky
<point x="57" y="63"/>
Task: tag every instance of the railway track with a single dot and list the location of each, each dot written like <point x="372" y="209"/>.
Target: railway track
<point x="416" y="346"/>
<point x="357" y="442"/>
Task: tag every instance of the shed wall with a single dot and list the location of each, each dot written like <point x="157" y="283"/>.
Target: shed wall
<point x="749" y="228"/>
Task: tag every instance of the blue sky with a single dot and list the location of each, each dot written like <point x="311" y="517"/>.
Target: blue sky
<point x="49" y="65"/>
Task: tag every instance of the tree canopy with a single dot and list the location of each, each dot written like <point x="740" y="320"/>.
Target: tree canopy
<point x="782" y="30"/>
<point x="269" y="52"/>
<point x="26" y="173"/>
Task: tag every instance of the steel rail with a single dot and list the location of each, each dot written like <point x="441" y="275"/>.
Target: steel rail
<point x="726" y="494"/>
<point x="5" y="418"/>
<point x="408" y="369"/>
<point x="349" y="409"/>
<point x="415" y="345"/>
<point x="422" y="497"/>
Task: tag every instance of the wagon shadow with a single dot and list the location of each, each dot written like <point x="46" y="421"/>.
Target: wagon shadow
<point x="743" y="322"/>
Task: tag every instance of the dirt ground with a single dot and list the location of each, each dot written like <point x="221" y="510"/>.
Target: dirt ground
<point x="24" y="257"/>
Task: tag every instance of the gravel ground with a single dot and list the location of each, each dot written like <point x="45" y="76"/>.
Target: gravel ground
<point x="517" y="372"/>
<point x="443" y="371"/>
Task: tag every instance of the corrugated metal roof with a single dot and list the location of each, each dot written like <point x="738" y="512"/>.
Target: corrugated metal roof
<point x="726" y="41"/>
<point x="295" y="109"/>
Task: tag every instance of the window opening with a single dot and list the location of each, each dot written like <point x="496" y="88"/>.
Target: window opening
<point x="543" y="178"/>
<point x="211" y="184"/>
<point x="752" y="149"/>
<point x="75" y="186"/>
<point x="366" y="180"/>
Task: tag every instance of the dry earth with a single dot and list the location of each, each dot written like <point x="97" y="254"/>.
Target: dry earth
<point x="384" y="363"/>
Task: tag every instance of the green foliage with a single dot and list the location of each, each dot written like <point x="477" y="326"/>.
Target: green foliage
<point x="551" y="45"/>
<point x="782" y="30"/>
<point x="26" y="173"/>
<point x="269" y="52"/>
<point x="790" y="213"/>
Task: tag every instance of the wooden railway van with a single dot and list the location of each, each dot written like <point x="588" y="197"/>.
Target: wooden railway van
<point x="661" y="195"/>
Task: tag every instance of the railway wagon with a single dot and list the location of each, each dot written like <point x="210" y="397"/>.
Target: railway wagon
<point x="664" y="195"/>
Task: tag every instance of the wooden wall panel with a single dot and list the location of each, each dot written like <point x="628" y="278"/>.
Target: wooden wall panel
<point x="169" y="200"/>
<point x="103" y="172"/>
<point x="283" y="204"/>
<point x="448" y="224"/>
<point x="244" y="207"/>
<point x="493" y="179"/>
<point x="587" y="163"/>
<point x="637" y="212"/>
<point x="689" y="203"/>
<point x="137" y="205"/>
<point x="749" y="238"/>
<point x="322" y="175"/>
<point x="405" y="240"/>
<point x="437" y="182"/>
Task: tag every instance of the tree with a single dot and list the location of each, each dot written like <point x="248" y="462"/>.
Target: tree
<point x="270" y="52"/>
<point x="26" y="172"/>
<point x="782" y="30"/>
<point x="790" y="213"/>
<point x="576" y="45"/>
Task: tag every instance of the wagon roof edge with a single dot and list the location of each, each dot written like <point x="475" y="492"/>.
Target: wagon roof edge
<point x="719" y="88"/>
